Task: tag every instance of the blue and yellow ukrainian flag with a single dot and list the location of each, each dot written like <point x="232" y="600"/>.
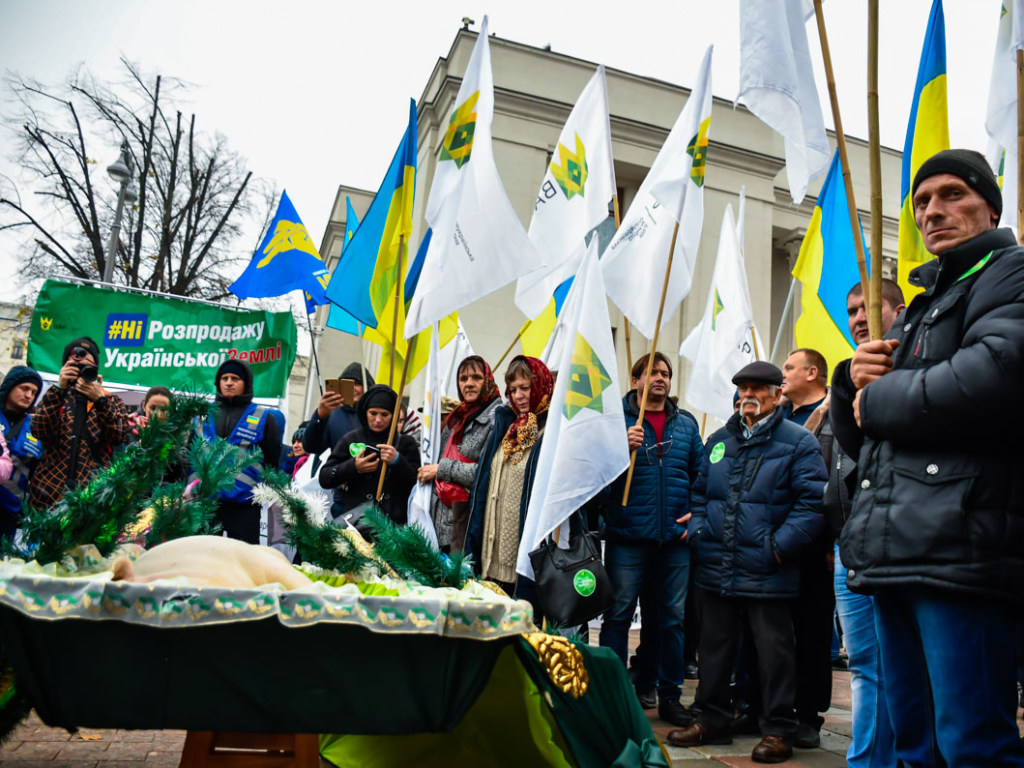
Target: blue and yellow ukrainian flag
<point x="338" y="318"/>
<point x="448" y="327"/>
<point x="363" y="284"/>
<point x="285" y="261"/>
<point x="537" y="333"/>
<point x="927" y="133"/>
<point x="827" y="269"/>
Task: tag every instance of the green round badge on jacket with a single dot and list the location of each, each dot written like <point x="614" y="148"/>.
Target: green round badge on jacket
<point x="717" y="453"/>
<point x="584" y="582"/>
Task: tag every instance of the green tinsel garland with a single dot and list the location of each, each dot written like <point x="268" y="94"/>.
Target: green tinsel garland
<point x="406" y="549"/>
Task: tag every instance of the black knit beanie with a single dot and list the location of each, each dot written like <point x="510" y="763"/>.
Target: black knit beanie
<point x="82" y="341"/>
<point x="968" y="165"/>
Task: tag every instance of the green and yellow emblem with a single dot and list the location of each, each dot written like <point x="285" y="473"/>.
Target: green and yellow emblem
<point x="587" y="380"/>
<point x="718" y="307"/>
<point x="458" y="139"/>
<point x="571" y="169"/>
<point x="698" y="150"/>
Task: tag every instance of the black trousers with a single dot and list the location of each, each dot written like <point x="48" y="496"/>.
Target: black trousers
<point x="813" y="615"/>
<point x="771" y="625"/>
<point x="240" y="521"/>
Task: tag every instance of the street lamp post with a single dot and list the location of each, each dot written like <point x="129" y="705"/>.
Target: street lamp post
<point x="121" y="172"/>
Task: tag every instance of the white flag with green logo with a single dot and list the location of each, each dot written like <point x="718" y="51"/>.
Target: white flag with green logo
<point x="584" y="446"/>
<point x="478" y="243"/>
<point x="573" y="198"/>
<point x="636" y="260"/>
<point x="725" y="339"/>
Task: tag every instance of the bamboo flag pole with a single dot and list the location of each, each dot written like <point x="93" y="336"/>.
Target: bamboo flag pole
<point x="650" y="361"/>
<point x="509" y="348"/>
<point x="398" y="300"/>
<point x="874" y="305"/>
<point x="398" y="407"/>
<point x="1020" y="146"/>
<point x="625" y="320"/>
<point x="844" y="160"/>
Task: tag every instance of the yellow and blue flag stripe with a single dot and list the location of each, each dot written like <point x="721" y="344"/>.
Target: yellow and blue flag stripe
<point x="538" y="332"/>
<point x="363" y="284"/>
<point x="927" y="133"/>
<point x="285" y="261"/>
<point x="827" y="269"/>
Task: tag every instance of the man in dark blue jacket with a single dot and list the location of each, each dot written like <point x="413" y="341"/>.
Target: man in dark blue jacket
<point x="760" y="509"/>
<point x="646" y="537"/>
<point x="936" y="533"/>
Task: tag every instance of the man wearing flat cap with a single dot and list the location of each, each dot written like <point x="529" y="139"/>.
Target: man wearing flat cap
<point x="936" y="532"/>
<point x="761" y="508"/>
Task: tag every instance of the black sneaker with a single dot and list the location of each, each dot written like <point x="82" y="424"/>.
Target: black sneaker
<point x="671" y="711"/>
<point x="648" y="699"/>
<point x="807" y="736"/>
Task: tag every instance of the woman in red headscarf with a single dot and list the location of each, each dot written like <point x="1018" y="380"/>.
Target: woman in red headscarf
<point x="504" y="479"/>
<point x="466" y="432"/>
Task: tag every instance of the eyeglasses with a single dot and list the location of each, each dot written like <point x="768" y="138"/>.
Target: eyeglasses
<point x="660" y="449"/>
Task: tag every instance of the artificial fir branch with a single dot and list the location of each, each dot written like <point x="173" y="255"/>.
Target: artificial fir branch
<point x="310" y="529"/>
<point x="406" y="549"/>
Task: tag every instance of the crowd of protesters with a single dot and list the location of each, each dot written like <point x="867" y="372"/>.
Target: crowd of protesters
<point x="890" y="501"/>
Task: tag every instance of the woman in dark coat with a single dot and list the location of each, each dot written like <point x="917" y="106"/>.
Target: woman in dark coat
<point x="358" y="473"/>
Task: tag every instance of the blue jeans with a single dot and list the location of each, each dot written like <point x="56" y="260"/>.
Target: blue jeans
<point x="667" y="568"/>
<point x="873" y="744"/>
<point x="949" y="678"/>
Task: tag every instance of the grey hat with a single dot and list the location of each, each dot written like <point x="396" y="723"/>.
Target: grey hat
<point x="759" y="372"/>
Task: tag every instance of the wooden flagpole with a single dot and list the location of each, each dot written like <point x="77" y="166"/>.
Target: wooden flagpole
<point x="625" y="320"/>
<point x="844" y="160"/>
<point x="1020" y="146"/>
<point x="394" y="327"/>
<point x="509" y="348"/>
<point x="398" y="406"/>
<point x="650" y="361"/>
<point x="874" y="306"/>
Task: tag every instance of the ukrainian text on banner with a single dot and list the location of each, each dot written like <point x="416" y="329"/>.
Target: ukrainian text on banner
<point x="148" y="340"/>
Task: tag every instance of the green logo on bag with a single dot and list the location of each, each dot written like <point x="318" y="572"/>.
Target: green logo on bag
<point x="717" y="453"/>
<point x="584" y="582"/>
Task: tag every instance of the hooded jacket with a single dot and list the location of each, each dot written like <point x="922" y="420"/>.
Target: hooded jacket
<point x="224" y="422"/>
<point x="23" y="448"/>
<point x="339" y="471"/>
<point x="760" y="509"/>
<point x="940" y="501"/>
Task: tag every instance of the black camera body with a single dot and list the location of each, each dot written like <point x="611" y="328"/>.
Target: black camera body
<point x="88" y="373"/>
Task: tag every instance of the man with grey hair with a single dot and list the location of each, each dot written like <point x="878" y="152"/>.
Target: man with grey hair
<point x="760" y="507"/>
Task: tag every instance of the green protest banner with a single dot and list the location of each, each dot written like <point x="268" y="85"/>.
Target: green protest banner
<point x="149" y="340"/>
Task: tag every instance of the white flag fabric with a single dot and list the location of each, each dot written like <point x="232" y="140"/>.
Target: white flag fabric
<point x="453" y="353"/>
<point x="430" y="443"/>
<point x="1001" y="115"/>
<point x="584" y="446"/>
<point x="636" y="259"/>
<point x="722" y="343"/>
<point x="777" y="85"/>
<point x="573" y="197"/>
<point x="478" y="243"/>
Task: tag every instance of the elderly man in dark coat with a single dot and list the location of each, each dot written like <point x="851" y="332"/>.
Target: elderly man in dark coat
<point x="761" y="508"/>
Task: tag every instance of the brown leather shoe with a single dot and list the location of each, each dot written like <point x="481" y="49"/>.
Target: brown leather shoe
<point x="772" y="749"/>
<point x="696" y="734"/>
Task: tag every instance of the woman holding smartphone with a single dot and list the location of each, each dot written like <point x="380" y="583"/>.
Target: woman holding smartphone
<point x="358" y="472"/>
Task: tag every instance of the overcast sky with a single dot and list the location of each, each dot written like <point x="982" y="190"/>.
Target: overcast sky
<point x="315" y="94"/>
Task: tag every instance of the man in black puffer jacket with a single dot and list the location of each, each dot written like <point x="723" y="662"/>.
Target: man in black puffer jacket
<point x="937" y="528"/>
<point x="761" y="509"/>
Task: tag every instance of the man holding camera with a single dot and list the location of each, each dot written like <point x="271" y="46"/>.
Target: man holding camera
<point x="78" y="424"/>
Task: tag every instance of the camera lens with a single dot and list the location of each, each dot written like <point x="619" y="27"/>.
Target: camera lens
<point x="88" y="373"/>
<point x="79" y="352"/>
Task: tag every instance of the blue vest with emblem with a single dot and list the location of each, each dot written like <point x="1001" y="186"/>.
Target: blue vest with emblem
<point x="25" y="451"/>
<point x="247" y="432"/>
